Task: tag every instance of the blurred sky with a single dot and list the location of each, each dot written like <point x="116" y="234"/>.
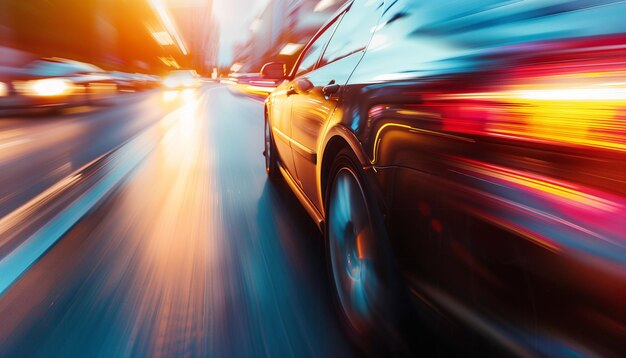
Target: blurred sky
<point x="234" y="18"/>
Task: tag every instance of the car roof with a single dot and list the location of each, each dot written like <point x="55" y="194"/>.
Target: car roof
<point x="66" y="63"/>
<point x="69" y="62"/>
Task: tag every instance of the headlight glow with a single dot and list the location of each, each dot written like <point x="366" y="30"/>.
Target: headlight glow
<point x="50" y="87"/>
<point x="188" y="82"/>
<point x="4" y="89"/>
<point x="169" y="96"/>
<point x="170" y="82"/>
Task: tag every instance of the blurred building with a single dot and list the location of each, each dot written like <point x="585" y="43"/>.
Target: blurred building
<point x="127" y="35"/>
<point x="281" y="30"/>
<point x="96" y="31"/>
<point x="199" y="32"/>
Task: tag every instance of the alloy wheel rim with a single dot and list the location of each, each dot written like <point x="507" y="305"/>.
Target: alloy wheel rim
<point x="350" y="236"/>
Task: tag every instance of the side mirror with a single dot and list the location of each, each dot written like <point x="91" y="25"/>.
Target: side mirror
<point x="303" y="85"/>
<point x="274" y="71"/>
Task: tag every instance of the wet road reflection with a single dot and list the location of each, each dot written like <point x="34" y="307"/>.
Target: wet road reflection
<point x="196" y="254"/>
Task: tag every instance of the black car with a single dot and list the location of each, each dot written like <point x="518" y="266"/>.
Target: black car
<point x="468" y="156"/>
<point x="55" y="82"/>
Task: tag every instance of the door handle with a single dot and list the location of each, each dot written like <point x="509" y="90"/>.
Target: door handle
<point x="332" y="88"/>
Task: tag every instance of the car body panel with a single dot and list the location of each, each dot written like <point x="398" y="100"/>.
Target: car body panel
<point x="310" y="114"/>
<point x="494" y="135"/>
<point x="311" y="110"/>
<point x="279" y="112"/>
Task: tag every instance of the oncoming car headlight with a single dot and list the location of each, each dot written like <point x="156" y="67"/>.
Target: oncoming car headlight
<point x="170" y="82"/>
<point x="189" y="82"/>
<point x="50" y="87"/>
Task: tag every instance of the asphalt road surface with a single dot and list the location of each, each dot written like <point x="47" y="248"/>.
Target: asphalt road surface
<point x="148" y="228"/>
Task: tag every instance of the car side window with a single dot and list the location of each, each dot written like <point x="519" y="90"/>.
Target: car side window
<point x="354" y="31"/>
<point x="312" y="53"/>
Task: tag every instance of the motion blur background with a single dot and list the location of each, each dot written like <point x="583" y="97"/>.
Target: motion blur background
<point x="128" y="35"/>
<point x="65" y="136"/>
<point x="153" y="36"/>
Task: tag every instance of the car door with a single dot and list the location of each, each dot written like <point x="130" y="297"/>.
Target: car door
<point x="282" y="98"/>
<point x="316" y="93"/>
<point x="97" y="85"/>
<point x="278" y="113"/>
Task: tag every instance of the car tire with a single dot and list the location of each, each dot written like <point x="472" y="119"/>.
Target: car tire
<point x="271" y="159"/>
<point x="365" y="282"/>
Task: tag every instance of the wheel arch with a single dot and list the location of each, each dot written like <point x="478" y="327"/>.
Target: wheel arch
<point x="337" y="138"/>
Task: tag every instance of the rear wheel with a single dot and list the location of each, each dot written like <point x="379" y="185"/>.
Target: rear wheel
<point x="364" y="277"/>
<point x="271" y="161"/>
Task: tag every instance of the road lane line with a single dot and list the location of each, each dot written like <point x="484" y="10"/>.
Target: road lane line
<point x="123" y="161"/>
<point x="16" y="216"/>
<point x="121" y="164"/>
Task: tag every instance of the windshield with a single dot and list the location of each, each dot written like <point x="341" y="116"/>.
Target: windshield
<point x="50" y="68"/>
<point x="182" y="74"/>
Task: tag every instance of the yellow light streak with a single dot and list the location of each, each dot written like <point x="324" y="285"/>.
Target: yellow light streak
<point x="168" y="23"/>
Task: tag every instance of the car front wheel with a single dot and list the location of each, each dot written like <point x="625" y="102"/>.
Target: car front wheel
<point x="271" y="163"/>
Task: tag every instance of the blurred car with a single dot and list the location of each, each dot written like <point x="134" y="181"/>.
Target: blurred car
<point x="469" y="157"/>
<point x="243" y="77"/>
<point x="126" y="82"/>
<point x="180" y="79"/>
<point x="258" y="79"/>
<point x="55" y="82"/>
<point x="149" y="81"/>
<point x="256" y="84"/>
<point x="131" y="82"/>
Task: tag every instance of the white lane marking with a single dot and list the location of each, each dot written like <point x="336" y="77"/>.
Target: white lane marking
<point x="13" y="218"/>
<point x="122" y="162"/>
<point x="127" y="157"/>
